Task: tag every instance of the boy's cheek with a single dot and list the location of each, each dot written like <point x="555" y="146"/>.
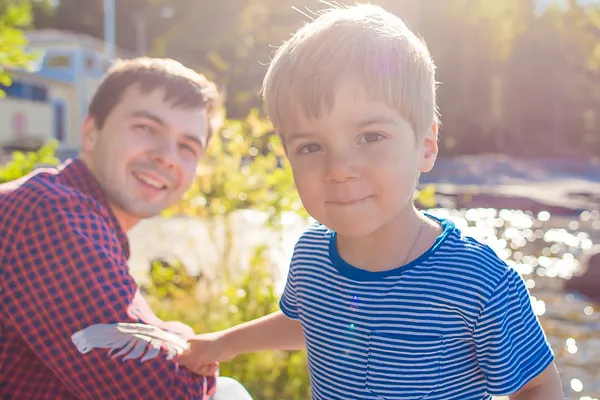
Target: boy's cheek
<point x="311" y="194"/>
<point x="304" y="175"/>
<point x="306" y="190"/>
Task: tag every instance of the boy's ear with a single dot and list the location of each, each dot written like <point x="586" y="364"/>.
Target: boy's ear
<point x="429" y="149"/>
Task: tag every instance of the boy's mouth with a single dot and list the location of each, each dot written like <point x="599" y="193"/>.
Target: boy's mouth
<point x="348" y="202"/>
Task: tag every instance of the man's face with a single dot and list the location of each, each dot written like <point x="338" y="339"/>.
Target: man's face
<point x="146" y="154"/>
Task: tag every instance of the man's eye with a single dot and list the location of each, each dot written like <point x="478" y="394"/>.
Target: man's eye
<point x="190" y="149"/>
<point x="371" y="137"/>
<point x="309" y="148"/>
<point x="144" y="128"/>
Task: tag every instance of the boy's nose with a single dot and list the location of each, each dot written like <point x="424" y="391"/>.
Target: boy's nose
<point x="341" y="168"/>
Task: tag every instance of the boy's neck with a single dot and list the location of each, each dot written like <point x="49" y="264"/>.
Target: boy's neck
<point x="389" y="247"/>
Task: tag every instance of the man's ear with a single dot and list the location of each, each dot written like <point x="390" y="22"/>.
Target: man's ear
<point x="89" y="134"/>
<point x="429" y="149"/>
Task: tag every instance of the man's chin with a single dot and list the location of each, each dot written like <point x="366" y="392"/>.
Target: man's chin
<point x="148" y="213"/>
<point x="131" y="210"/>
<point x="145" y="211"/>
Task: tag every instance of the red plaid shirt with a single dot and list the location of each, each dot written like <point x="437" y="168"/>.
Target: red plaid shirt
<point x="63" y="267"/>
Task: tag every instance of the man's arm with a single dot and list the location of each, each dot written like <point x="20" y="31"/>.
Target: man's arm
<point x="545" y="386"/>
<point x="69" y="272"/>
<point x="272" y="332"/>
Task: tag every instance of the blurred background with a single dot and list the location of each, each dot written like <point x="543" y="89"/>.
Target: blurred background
<point x="519" y="168"/>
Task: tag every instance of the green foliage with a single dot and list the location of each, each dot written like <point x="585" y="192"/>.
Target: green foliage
<point x="244" y="168"/>
<point x="492" y="65"/>
<point x="249" y="295"/>
<point x="14" y="16"/>
<point x="426" y="197"/>
<point x="170" y="280"/>
<point x="268" y="375"/>
<point x="24" y="163"/>
<point x="497" y="93"/>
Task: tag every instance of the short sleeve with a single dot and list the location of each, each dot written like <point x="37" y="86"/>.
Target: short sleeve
<point x="289" y="301"/>
<point x="511" y="346"/>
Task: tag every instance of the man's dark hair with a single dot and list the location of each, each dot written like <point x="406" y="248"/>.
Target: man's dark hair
<point x="183" y="87"/>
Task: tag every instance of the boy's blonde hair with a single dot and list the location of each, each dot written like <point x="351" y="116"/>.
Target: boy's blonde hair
<point x="364" y="43"/>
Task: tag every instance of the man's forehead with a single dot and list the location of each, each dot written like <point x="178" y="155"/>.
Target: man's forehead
<point x="134" y="95"/>
<point x="190" y="121"/>
<point x="155" y="102"/>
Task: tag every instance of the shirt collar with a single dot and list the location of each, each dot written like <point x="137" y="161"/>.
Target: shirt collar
<point x="77" y="175"/>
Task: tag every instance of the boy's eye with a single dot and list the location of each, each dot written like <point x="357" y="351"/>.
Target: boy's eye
<point x="309" y="148"/>
<point x="371" y="137"/>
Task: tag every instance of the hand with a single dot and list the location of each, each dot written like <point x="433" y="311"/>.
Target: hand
<point x="205" y="369"/>
<point x="179" y="328"/>
<point x="187" y="332"/>
<point x="205" y="351"/>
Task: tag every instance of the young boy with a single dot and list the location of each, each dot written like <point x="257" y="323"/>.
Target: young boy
<point x="390" y="303"/>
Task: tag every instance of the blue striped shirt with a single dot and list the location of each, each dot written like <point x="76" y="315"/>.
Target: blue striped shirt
<point x="456" y="323"/>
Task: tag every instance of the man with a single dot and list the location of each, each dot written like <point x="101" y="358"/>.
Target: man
<point x="64" y="249"/>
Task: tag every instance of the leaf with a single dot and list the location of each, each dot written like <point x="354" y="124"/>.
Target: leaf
<point x="129" y="340"/>
<point x="426" y="196"/>
<point x="5" y="80"/>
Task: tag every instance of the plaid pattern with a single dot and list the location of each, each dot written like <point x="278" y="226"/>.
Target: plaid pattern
<point x="62" y="268"/>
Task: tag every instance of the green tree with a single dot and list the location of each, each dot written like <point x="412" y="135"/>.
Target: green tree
<point x="485" y="52"/>
<point x="244" y="169"/>
<point x="235" y="175"/>
<point x="14" y="16"/>
<point x="552" y="73"/>
<point x="471" y="41"/>
<point x="22" y="164"/>
<point x="584" y="66"/>
<point x="87" y="16"/>
<point x="235" y="40"/>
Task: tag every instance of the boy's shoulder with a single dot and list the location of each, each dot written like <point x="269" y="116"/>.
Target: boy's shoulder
<point x="315" y="231"/>
<point x="313" y="246"/>
<point x="454" y="252"/>
<point x="315" y="239"/>
<point x="470" y="257"/>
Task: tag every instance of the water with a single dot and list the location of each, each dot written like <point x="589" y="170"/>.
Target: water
<point x="545" y="250"/>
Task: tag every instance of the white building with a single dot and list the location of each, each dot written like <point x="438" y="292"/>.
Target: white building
<point x="51" y="102"/>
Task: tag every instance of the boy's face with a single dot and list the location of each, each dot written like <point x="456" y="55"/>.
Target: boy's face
<point x="146" y="154"/>
<point x="357" y="166"/>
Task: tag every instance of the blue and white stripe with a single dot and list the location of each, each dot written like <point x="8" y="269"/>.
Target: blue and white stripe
<point x="456" y="323"/>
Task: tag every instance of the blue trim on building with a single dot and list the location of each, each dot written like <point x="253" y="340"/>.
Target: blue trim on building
<point x="60" y="113"/>
<point x="59" y="65"/>
<point x="21" y="89"/>
<point x="93" y="63"/>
